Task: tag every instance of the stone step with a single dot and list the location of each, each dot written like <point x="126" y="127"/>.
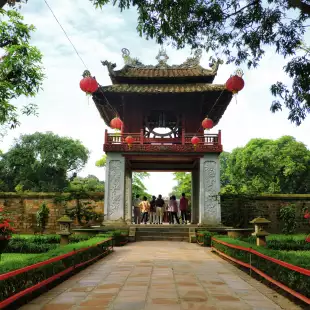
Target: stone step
<point x="159" y="229"/>
<point x="162" y="232"/>
<point x="143" y="231"/>
<point x="161" y="238"/>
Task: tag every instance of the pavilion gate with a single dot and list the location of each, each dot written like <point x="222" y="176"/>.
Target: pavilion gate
<point x="161" y="108"/>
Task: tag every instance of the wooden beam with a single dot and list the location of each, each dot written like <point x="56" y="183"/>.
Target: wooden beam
<point x="2" y="3"/>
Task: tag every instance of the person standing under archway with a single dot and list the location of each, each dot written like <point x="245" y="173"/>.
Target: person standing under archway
<point x="159" y="203"/>
<point x="183" y="208"/>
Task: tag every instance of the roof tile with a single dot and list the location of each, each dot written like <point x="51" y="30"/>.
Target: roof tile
<point x="164" y="88"/>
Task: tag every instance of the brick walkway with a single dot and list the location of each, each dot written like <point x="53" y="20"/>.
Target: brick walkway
<point x="156" y="276"/>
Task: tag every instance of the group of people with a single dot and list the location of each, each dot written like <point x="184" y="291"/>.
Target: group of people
<point x="153" y="210"/>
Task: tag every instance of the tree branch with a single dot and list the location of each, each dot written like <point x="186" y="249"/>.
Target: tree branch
<point x="298" y="4"/>
<point x="240" y="10"/>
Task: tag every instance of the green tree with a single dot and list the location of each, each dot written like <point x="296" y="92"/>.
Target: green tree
<point x="269" y="166"/>
<point x="89" y="184"/>
<point x="42" y="162"/>
<point x="137" y="179"/>
<point x="21" y="71"/>
<point x="184" y="184"/>
<point x="102" y="161"/>
<point x="137" y="184"/>
<point x="240" y="31"/>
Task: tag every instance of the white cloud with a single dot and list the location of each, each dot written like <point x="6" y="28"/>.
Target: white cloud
<point x="100" y="35"/>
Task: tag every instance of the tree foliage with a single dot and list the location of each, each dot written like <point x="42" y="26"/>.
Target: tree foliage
<point x="102" y="161"/>
<point x="184" y="184"/>
<point x="21" y="71"/>
<point x="279" y="166"/>
<point x="42" y="162"/>
<point x="89" y="184"/>
<point x="268" y="166"/>
<point x="138" y="187"/>
<point x="240" y="31"/>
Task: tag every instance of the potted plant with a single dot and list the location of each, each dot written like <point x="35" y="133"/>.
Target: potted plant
<point x="6" y="230"/>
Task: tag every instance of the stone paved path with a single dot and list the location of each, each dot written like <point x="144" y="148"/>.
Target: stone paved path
<point x="156" y="276"/>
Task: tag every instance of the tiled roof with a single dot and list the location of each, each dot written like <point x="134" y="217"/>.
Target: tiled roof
<point x="162" y="88"/>
<point x="169" y="72"/>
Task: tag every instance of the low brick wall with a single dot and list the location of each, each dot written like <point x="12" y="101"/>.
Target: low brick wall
<point x="23" y="208"/>
<point x="239" y="210"/>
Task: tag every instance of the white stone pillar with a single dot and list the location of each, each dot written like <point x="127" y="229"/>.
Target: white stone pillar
<point x="114" y="200"/>
<point x="209" y="199"/>
<point x="128" y="196"/>
<point x="195" y="197"/>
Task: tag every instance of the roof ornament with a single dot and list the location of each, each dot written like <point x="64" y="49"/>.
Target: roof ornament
<point x="191" y="62"/>
<point x="162" y="58"/>
<point x="126" y="56"/>
<point x="215" y="63"/>
<point x="129" y="61"/>
<point x="239" y="72"/>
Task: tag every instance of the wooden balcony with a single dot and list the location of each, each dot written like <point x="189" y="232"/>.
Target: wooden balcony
<point x="115" y="142"/>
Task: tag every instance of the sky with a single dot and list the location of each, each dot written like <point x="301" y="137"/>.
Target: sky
<point x="100" y="35"/>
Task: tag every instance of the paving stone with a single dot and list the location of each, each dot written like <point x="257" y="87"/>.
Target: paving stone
<point x="158" y="276"/>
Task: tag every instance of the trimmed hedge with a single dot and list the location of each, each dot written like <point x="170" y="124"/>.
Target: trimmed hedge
<point x="203" y="238"/>
<point x="120" y="237"/>
<point x="284" y="242"/>
<point x="293" y="279"/>
<point x="39" y="243"/>
<point x="20" y="282"/>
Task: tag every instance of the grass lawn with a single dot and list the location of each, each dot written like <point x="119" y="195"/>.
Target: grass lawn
<point x="5" y="257"/>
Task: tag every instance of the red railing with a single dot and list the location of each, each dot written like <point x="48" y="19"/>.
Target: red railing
<point x="6" y="302"/>
<point x="298" y="269"/>
<point x="185" y="139"/>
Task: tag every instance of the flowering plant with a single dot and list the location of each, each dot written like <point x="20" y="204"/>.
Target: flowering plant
<point x="6" y="230"/>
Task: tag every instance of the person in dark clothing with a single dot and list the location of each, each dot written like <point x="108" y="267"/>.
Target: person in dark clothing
<point x="169" y="210"/>
<point x="183" y="208"/>
<point x="153" y="210"/>
<point x="136" y="210"/>
<point x="159" y="203"/>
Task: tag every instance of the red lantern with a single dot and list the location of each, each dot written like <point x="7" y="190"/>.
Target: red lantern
<point x="207" y="123"/>
<point x="88" y="84"/>
<point x="116" y="123"/>
<point x="195" y="140"/>
<point x="129" y="140"/>
<point x="235" y="83"/>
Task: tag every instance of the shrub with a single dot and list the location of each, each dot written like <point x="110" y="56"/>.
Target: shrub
<point x="283" y="242"/>
<point x="22" y="281"/>
<point x="79" y="238"/>
<point x="288" y="216"/>
<point x="204" y="238"/>
<point x="42" y="217"/>
<point x="295" y="280"/>
<point x="120" y="237"/>
<point x="26" y="247"/>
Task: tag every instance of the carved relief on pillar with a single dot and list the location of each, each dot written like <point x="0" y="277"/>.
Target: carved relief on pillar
<point x="115" y="188"/>
<point x="211" y="203"/>
<point x="127" y="194"/>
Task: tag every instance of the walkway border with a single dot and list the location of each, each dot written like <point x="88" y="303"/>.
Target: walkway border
<point x="53" y="278"/>
<point x="261" y="273"/>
